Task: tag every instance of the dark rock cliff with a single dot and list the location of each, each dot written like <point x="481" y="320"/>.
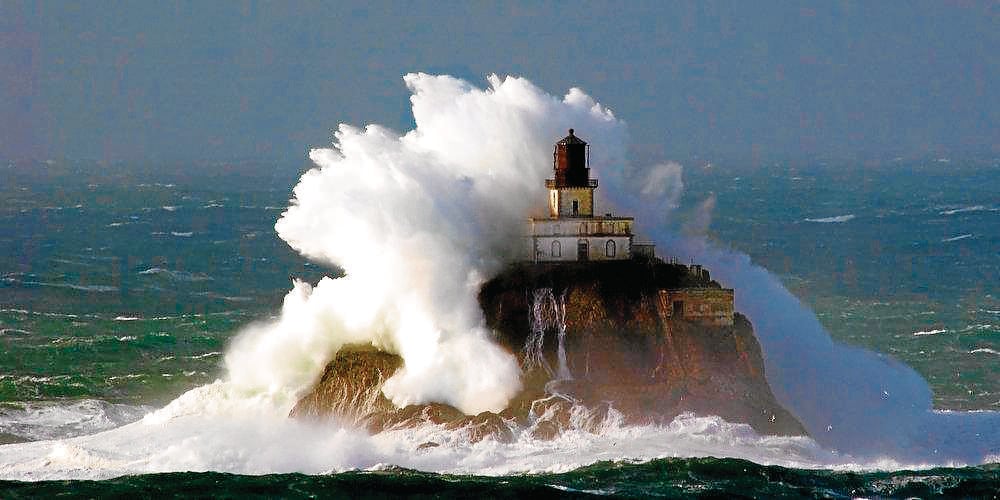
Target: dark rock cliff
<point x="596" y="336"/>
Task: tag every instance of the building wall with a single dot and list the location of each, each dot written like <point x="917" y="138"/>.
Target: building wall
<point x="592" y="226"/>
<point x="712" y="306"/>
<point x="644" y="249"/>
<point x="604" y="225"/>
<point x="561" y="201"/>
<point x="541" y="247"/>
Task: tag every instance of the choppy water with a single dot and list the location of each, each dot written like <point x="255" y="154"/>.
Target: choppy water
<point x="907" y="261"/>
<point x="119" y="291"/>
<point x="666" y="478"/>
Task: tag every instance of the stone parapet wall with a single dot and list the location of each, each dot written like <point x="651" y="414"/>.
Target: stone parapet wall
<point x="711" y="306"/>
<point x="580" y="226"/>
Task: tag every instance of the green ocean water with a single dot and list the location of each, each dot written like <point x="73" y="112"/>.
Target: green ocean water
<point x="663" y="478"/>
<point x="120" y="287"/>
<point x="899" y="257"/>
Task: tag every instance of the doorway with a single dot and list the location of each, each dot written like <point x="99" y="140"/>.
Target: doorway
<point x="582" y="251"/>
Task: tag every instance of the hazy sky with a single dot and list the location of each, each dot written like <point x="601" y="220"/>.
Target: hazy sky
<point x="222" y="80"/>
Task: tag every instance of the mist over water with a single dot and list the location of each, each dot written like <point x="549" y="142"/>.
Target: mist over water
<point x="849" y="398"/>
<point x="417" y="221"/>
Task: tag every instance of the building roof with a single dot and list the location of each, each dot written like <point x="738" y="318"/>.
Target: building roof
<point x="571" y="139"/>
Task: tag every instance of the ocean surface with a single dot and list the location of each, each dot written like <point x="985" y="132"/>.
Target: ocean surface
<point x="122" y="285"/>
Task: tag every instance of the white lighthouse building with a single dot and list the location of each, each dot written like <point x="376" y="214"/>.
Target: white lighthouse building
<point x="571" y="232"/>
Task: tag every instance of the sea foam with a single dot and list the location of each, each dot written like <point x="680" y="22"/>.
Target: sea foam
<point x="418" y="220"/>
<point x="246" y="442"/>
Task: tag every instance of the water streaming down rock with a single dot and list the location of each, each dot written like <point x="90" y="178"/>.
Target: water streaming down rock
<point x="548" y="313"/>
<point x="564" y="373"/>
<point x="533" y="352"/>
<point x="634" y="362"/>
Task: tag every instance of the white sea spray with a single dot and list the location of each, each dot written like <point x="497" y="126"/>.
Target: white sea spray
<point x="418" y="220"/>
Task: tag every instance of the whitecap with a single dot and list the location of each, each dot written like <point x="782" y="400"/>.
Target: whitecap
<point x="228" y="298"/>
<point x="980" y="327"/>
<point x="14" y="331"/>
<point x="971" y="208"/>
<point x="72" y="262"/>
<point x="838" y="218"/>
<point x="206" y="355"/>
<point x="929" y="332"/>
<point x="243" y="440"/>
<point x="85" y="288"/>
<point x="957" y="238"/>
<point x="182" y="234"/>
<point x="82" y="288"/>
<point x="175" y="275"/>
<point x="47" y="420"/>
<point x="169" y="208"/>
<point x="49" y="314"/>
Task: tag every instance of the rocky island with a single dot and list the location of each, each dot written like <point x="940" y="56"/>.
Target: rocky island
<point x="595" y="341"/>
<point x="604" y="332"/>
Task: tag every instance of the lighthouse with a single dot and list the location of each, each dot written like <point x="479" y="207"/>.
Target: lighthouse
<point x="571" y="232"/>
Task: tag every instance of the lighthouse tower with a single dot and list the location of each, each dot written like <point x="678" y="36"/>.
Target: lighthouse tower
<point x="571" y="232"/>
<point x="571" y="192"/>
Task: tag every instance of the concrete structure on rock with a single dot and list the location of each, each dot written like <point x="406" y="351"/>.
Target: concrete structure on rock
<point x="571" y="232"/>
<point x="710" y="306"/>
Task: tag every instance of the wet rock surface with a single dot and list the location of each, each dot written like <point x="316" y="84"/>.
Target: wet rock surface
<point x="350" y="388"/>
<point x="596" y="346"/>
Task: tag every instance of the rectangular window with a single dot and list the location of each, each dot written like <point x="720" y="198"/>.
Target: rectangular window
<point x="678" y="309"/>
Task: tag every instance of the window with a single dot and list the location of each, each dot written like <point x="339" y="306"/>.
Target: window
<point x="556" y="249"/>
<point x="576" y="207"/>
<point x="582" y="250"/>
<point x="609" y="248"/>
<point x="678" y="309"/>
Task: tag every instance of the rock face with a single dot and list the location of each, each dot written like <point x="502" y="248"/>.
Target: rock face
<point x="596" y="343"/>
<point x="350" y="391"/>
<point x="351" y="387"/>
